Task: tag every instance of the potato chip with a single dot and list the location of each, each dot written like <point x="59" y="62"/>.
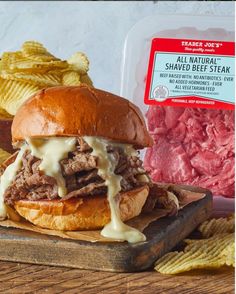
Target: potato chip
<point x="33" y="47"/>
<point x="14" y="93"/>
<point x="3" y="155"/>
<point x="7" y="58"/>
<point x="85" y="79"/>
<point x="46" y="79"/>
<point x="217" y="226"/>
<point x="36" y="51"/>
<point x="4" y="114"/>
<point x="11" y="59"/>
<point x="15" y="62"/>
<point x="229" y="254"/>
<point x="79" y="62"/>
<point x="71" y="78"/>
<point x="199" y="254"/>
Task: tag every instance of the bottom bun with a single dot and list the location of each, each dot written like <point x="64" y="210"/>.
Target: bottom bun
<point x="87" y="213"/>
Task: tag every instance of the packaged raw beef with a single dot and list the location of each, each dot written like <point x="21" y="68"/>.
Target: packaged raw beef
<point x="192" y="146"/>
<point x="181" y="74"/>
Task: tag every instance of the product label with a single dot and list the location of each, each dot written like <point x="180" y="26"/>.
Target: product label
<point x="191" y="73"/>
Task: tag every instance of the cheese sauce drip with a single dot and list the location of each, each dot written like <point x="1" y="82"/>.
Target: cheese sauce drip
<point x="116" y="229"/>
<point x="7" y="178"/>
<point x="51" y="151"/>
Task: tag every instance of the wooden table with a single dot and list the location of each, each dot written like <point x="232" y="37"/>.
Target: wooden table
<point x="27" y="278"/>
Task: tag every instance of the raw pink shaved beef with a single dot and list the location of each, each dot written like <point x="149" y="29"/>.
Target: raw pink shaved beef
<point x="192" y="146"/>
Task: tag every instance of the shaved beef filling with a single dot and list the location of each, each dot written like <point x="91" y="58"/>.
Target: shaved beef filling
<point x="79" y="171"/>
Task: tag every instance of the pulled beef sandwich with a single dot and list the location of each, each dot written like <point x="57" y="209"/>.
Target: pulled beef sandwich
<point x="77" y="167"/>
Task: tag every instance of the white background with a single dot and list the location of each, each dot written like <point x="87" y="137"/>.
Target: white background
<point x="96" y="28"/>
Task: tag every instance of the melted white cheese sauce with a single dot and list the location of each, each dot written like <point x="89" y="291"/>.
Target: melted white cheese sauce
<point x="7" y="178"/>
<point x="116" y="229"/>
<point x="51" y="151"/>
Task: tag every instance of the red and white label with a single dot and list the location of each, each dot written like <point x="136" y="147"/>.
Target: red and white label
<point x="191" y="73"/>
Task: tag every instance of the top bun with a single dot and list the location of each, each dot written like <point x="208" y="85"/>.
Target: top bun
<point x="80" y="111"/>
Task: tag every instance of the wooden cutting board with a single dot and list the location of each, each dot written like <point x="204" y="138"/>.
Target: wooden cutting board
<point x="162" y="235"/>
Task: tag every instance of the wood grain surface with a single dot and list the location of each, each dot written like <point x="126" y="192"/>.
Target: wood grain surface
<point x="26" y="278"/>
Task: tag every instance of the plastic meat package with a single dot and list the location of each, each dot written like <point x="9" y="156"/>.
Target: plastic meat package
<point x="192" y="145"/>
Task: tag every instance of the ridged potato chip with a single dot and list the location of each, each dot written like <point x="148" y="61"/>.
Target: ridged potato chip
<point x="71" y="78"/>
<point x="10" y="60"/>
<point x="14" y="93"/>
<point x="199" y="254"/>
<point x="36" y="51"/>
<point x="229" y="254"/>
<point x="217" y="226"/>
<point x="3" y="155"/>
<point x="15" y="62"/>
<point x="79" y="62"/>
<point x="39" y="79"/>
<point x="33" y="47"/>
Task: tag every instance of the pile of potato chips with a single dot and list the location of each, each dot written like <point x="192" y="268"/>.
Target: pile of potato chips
<point x="24" y="72"/>
<point x="215" y="251"/>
